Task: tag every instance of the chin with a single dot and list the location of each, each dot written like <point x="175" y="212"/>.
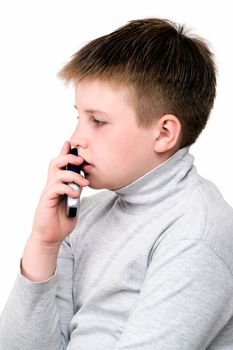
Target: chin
<point x="100" y="182"/>
<point x="99" y="185"/>
<point x="95" y="185"/>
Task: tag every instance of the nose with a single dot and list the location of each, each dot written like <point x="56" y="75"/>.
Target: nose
<point x="78" y="138"/>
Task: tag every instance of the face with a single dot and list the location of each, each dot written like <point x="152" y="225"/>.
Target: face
<point x="107" y="135"/>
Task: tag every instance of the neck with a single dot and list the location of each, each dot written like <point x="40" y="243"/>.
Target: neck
<point x="160" y="182"/>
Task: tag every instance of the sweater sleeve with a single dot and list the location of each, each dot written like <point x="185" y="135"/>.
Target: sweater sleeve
<point x="185" y="301"/>
<point x="37" y="314"/>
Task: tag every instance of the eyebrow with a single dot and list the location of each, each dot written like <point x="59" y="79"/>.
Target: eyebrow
<point x="92" y="110"/>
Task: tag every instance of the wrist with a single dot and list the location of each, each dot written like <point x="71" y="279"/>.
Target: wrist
<point x="39" y="259"/>
<point x="46" y="246"/>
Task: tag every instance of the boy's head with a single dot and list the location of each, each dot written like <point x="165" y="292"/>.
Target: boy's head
<point x="165" y="70"/>
<point x="142" y="92"/>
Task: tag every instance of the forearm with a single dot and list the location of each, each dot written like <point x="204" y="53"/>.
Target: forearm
<point x="30" y="319"/>
<point x="39" y="259"/>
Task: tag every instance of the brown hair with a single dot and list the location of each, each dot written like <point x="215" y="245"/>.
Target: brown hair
<point x="168" y="71"/>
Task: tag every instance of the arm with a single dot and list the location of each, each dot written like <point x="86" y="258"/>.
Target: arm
<point x="40" y="307"/>
<point x="37" y="314"/>
<point x="184" y="301"/>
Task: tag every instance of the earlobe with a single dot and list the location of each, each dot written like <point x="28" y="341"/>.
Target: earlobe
<point x="168" y="131"/>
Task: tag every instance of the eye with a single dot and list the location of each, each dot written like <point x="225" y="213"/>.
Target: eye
<point x="98" y="122"/>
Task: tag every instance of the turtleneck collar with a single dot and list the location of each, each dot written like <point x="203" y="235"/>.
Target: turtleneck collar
<point x="160" y="182"/>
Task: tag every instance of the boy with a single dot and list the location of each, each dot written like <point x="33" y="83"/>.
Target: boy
<point x="148" y="262"/>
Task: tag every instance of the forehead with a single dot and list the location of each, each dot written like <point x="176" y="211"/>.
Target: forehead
<point x="108" y="98"/>
<point x="100" y="91"/>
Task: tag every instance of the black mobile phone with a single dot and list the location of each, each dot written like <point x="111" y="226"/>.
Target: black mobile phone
<point x="73" y="204"/>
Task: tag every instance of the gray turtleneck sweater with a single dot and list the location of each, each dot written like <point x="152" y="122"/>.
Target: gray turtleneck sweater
<point x="148" y="267"/>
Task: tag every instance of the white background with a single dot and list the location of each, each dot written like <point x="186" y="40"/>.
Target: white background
<point x="36" y="110"/>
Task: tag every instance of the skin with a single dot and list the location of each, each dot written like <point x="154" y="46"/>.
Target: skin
<point x="117" y="148"/>
<point x="107" y="135"/>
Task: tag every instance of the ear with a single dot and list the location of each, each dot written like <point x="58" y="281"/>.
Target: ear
<point x="168" y="132"/>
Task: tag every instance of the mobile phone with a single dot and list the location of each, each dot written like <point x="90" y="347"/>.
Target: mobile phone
<point x="73" y="204"/>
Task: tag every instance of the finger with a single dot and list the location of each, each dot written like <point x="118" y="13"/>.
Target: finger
<point x="60" y="190"/>
<point x="66" y="148"/>
<point x="62" y="161"/>
<point x="71" y="176"/>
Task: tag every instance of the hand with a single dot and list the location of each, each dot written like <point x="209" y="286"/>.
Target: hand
<point x="51" y="224"/>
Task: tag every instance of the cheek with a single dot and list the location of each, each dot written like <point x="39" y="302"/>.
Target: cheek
<point x="121" y="146"/>
<point x="130" y="142"/>
<point x="111" y="152"/>
<point x="125" y="153"/>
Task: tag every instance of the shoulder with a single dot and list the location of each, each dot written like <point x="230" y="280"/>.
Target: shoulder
<point x="206" y="217"/>
<point x="206" y="208"/>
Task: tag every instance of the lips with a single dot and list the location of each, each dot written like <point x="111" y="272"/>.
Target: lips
<point x="86" y="163"/>
<point x="86" y="166"/>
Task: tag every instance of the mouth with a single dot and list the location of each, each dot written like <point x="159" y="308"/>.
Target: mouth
<point x="86" y="166"/>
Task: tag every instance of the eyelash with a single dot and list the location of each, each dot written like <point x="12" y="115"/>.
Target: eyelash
<point x="97" y="122"/>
